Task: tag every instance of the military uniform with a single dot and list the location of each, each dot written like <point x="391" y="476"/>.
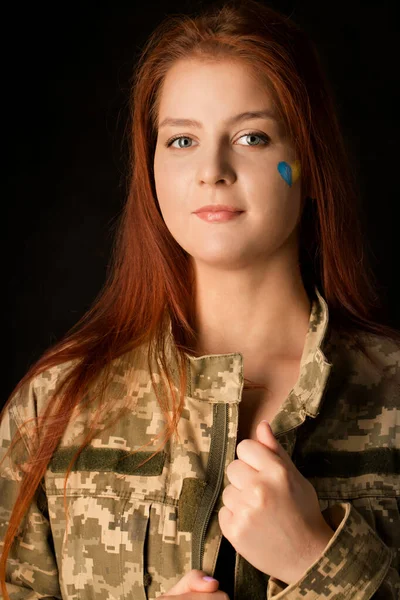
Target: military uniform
<point x="133" y="531"/>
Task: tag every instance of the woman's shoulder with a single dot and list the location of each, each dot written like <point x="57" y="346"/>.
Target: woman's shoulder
<point x="366" y="352"/>
<point x="366" y="374"/>
<point x="32" y="397"/>
<point x="29" y="399"/>
<point x="380" y="344"/>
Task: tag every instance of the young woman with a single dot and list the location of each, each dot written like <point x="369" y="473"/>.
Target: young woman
<point x="136" y="459"/>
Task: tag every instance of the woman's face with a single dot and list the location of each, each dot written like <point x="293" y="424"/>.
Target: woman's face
<point x="219" y="162"/>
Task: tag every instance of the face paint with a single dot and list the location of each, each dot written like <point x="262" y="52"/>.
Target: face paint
<point x="289" y="173"/>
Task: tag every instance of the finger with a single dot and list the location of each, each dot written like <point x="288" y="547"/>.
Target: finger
<point x="265" y="435"/>
<point x="193" y="581"/>
<point x="199" y="596"/>
<point x="241" y="475"/>
<point x="225" y="519"/>
<point x="257" y="455"/>
<point x="231" y="498"/>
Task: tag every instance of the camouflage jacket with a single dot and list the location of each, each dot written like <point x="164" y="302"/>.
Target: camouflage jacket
<point x="132" y="532"/>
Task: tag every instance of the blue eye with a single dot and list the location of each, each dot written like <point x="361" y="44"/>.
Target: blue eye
<point x="178" y="137"/>
<point x="261" y="136"/>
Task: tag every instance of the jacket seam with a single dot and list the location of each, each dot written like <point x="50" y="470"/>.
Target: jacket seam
<point x="124" y="496"/>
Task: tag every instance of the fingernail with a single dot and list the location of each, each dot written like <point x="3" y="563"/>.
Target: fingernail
<point x="207" y="578"/>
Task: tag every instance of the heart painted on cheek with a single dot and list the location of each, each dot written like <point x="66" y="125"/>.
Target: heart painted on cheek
<point x="289" y="173"/>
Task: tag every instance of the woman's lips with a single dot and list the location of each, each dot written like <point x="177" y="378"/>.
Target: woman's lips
<point x="219" y="216"/>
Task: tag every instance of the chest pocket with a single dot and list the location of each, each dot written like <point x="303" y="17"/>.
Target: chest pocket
<point x="101" y="546"/>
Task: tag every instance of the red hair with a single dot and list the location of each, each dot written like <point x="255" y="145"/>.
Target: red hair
<point x="151" y="279"/>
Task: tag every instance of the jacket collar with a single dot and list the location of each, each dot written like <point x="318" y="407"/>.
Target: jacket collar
<point x="219" y="377"/>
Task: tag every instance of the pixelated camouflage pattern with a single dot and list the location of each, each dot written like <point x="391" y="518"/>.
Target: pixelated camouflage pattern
<point x="129" y="533"/>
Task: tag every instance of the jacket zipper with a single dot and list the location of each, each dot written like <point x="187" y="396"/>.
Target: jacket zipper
<point x="214" y="479"/>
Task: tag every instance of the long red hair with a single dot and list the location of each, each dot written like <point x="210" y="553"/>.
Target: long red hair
<point x="150" y="278"/>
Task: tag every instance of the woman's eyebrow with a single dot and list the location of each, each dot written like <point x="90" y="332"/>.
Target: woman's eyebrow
<point x="244" y="116"/>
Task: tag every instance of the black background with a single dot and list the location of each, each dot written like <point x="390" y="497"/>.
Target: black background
<point x="66" y="75"/>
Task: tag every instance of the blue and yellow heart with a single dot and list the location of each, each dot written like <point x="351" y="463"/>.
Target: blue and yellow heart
<point x="289" y="172"/>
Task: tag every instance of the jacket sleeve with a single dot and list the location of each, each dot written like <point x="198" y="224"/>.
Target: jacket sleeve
<point x="31" y="571"/>
<point x="356" y="564"/>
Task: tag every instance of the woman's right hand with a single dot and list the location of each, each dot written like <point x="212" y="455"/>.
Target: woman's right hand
<point x="192" y="586"/>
